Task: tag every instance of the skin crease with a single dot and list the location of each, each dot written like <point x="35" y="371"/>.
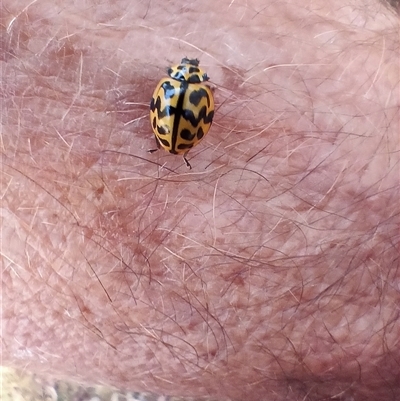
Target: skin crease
<point x="270" y="271"/>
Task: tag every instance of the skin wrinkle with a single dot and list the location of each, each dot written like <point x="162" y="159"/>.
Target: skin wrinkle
<point x="269" y="271"/>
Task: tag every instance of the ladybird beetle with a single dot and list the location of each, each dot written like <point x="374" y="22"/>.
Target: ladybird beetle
<point x="182" y="108"/>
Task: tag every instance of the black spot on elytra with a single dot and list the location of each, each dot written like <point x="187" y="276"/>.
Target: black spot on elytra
<point x="166" y="112"/>
<point x="200" y="133"/>
<point x="169" y="90"/>
<point x="187" y="135"/>
<point x="155" y="104"/>
<point x="183" y="146"/>
<point x="197" y="96"/>
<point x="163" y="130"/>
<point x="164" y="142"/>
<point x="195" y="121"/>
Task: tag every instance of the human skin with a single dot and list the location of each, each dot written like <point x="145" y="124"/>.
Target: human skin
<point x="270" y="271"/>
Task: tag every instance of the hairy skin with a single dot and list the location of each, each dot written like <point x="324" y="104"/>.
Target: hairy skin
<point x="268" y="272"/>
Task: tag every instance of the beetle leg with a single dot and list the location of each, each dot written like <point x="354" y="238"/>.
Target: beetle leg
<point x="186" y="160"/>
<point x="158" y="146"/>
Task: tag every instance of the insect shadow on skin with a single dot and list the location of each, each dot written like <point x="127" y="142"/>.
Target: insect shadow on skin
<point x="181" y="108"/>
